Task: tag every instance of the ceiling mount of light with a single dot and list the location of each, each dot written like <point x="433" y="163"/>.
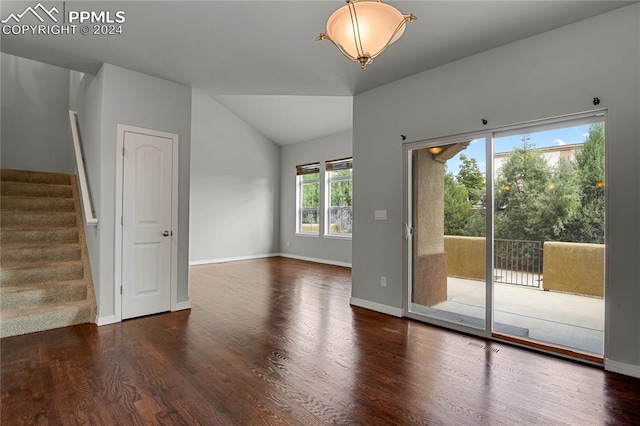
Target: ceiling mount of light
<point x="364" y="28"/>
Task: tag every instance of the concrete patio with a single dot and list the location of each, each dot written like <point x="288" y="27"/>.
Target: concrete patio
<point x="567" y="320"/>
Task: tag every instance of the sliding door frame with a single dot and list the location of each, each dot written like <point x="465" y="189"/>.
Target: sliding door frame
<point x="407" y="248"/>
<point x="599" y="115"/>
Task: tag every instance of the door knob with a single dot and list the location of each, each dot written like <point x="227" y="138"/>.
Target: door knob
<point x="165" y="233"/>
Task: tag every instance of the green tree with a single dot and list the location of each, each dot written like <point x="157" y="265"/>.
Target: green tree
<point x="472" y="178"/>
<point x="457" y="209"/>
<point x="561" y="201"/>
<point x="310" y="198"/>
<point x="311" y="190"/>
<point x="588" y="225"/>
<point x="341" y="190"/>
<point x="534" y="201"/>
<point x="520" y="195"/>
<point x="477" y="224"/>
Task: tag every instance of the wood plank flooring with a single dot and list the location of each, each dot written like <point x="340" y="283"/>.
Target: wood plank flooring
<point x="274" y="341"/>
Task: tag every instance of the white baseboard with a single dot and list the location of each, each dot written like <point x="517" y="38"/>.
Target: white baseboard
<point x="378" y="307"/>
<point x="232" y="259"/>
<point x="181" y="306"/>
<point x="316" y="260"/>
<point x="111" y="319"/>
<point x="622" y="368"/>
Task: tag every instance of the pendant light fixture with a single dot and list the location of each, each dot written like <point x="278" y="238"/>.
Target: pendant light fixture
<point x="364" y="28"/>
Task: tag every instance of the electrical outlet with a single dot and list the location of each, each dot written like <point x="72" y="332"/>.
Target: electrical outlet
<point x="383" y="281"/>
<point x="287" y="243"/>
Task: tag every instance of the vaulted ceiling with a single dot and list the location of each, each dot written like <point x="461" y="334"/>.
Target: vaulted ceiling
<point x="260" y="58"/>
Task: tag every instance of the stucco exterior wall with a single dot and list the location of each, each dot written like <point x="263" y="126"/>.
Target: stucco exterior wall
<point x="466" y="257"/>
<point x="574" y="268"/>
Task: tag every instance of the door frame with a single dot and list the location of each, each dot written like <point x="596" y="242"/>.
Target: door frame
<point x="490" y="133"/>
<point x="119" y="189"/>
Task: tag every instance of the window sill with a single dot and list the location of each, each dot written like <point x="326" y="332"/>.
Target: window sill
<point x="300" y="234"/>
<point x="338" y="237"/>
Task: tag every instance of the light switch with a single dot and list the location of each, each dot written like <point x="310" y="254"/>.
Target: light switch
<point x="381" y="215"/>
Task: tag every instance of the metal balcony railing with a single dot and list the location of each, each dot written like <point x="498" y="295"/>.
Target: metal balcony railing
<point x="518" y="262"/>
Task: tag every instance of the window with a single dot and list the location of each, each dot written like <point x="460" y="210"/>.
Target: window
<point x="308" y="199"/>
<point x="339" y="214"/>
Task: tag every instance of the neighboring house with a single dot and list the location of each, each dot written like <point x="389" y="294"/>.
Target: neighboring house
<point x="552" y="154"/>
<point x="237" y="187"/>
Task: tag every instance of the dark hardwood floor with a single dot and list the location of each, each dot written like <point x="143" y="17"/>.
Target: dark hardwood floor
<point x="275" y="341"/>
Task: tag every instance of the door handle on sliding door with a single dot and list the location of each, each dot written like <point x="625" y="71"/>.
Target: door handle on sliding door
<point x="408" y="231"/>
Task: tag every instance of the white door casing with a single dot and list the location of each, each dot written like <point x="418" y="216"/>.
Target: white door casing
<point x="147" y="259"/>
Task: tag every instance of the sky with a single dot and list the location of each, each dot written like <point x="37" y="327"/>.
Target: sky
<point x="555" y="137"/>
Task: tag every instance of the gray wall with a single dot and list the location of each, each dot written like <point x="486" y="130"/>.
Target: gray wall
<point x="235" y="185"/>
<point x="34" y="118"/>
<point x="322" y="248"/>
<point x="128" y="97"/>
<point x="555" y="73"/>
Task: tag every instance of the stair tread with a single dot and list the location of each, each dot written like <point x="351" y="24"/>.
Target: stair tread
<point x="38" y="245"/>
<point x="41" y="265"/>
<point x="17" y="227"/>
<point x="16" y="182"/>
<point x="32" y="189"/>
<point x="36" y="212"/>
<point x="37" y="204"/>
<point x="15" y="175"/>
<point x="41" y="229"/>
<point x="42" y="236"/>
<point x="23" y="312"/>
<point x="24" y="197"/>
<point x="42" y="286"/>
<point x="20" y="226"/>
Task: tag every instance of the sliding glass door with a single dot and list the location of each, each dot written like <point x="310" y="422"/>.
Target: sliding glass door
<point x="549" y="235"/>
<point x="505" y="234"/>
<point x="446" y="232"/>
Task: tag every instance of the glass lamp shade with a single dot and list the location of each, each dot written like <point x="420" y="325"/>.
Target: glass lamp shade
<point x="364" y="28"/>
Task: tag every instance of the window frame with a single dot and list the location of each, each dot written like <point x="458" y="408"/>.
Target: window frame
<point x="301" y="171"/>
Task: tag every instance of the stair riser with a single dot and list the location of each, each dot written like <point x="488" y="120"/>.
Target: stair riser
<point x="48" y="320"/>
<point x="28" y="276"/>
<point x="43" y="296"/>
<point x="38" y="204"/>
<point x="50" y="236"/>
<point x="7" y="175"/>
<point x="16" y="189"/>
<point x="37" y="220"/>
<point x="24" y="256"/>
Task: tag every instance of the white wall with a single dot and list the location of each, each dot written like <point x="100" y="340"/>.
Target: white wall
<point x="327" y="249"/>
<point x="34" y="119"/>
<point x="235" y="186"/>
<point x="552" y="74"/>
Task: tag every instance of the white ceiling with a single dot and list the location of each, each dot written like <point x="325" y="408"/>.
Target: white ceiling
<point x="260" y="58"/>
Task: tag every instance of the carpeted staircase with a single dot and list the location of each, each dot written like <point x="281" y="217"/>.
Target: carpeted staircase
<point x="45" y="278"/>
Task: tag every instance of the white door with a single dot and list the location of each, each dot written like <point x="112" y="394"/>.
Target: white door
<point x="146" y="224"/>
